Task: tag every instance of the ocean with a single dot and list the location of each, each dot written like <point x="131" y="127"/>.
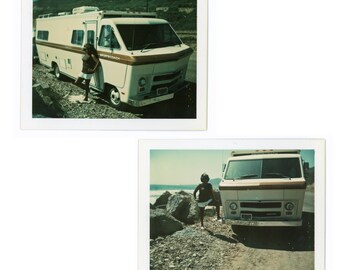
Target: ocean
<point x="158" y="190"/>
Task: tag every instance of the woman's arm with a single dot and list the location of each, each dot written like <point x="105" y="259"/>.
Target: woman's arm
<point x="96" y="60"/>
<point x="195" y="191"/>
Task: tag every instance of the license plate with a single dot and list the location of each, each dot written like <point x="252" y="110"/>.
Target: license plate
<point x="162" y="91"/>
<point x="246" y="216"/>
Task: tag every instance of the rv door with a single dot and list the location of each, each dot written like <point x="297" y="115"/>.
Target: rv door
<point x="91" y="29"/>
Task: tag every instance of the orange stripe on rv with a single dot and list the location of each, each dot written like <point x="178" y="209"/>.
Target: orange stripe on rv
<point x="124" y="59"/>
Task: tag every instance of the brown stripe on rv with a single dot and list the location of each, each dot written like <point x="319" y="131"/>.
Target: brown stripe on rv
<point x="124" y="59"/>
<point x="266" y="186"/>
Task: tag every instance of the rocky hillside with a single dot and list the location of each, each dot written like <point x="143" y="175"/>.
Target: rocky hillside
<point x="180" y="13"/>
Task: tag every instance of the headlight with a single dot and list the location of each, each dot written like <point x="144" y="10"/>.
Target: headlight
<point x="142" y="82"/>
<point x="289" y="206"/>
<point x="233" y="206"/>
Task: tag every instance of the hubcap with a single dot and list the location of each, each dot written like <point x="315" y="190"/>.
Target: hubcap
<point x="115" y="97"/>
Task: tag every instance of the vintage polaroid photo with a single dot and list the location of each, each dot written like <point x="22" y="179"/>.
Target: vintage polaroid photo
<point x="125" y="65"/>
<point x="231" y="204"/>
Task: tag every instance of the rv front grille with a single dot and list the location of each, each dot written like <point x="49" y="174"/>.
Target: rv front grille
<point x="261" y="204"/>
<point x="166" y="76"/>
<point x="155" y="88"/>
<point x="261" y="214"/>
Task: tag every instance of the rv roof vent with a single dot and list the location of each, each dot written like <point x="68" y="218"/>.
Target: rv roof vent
<point x="83" y="9"/>
<point x="64" y="13"/>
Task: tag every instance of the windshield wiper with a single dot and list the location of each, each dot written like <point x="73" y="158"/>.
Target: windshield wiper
<point x="276" y="175"/>
<point x="147" y="46"/>
<point x="159" y="44"/>
<point x="245" y="176"/>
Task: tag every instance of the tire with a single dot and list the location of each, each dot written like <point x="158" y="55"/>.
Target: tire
<point x="113" y="96"/>
<point x="56" y="72"/>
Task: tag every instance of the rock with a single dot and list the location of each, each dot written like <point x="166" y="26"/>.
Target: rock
<point x="162" y="200"/>
<point x="162" y="224"/>
<point x="183" y="207"/>
<point x="210" y="211"/>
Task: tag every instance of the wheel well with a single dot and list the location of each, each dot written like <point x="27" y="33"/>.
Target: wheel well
<point x="108" y="86"/>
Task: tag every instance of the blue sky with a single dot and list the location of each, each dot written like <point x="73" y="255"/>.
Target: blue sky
<point x="186" y="166"/>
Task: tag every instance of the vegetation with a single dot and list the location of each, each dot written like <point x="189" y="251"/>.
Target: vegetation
<point x="179" y="20"/>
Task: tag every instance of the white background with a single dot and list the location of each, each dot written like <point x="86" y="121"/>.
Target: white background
<point x="68" y="199"/>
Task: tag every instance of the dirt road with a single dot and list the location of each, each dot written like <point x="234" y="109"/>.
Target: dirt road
<point x="218" y="247"/>
<point x="275" y="248"/>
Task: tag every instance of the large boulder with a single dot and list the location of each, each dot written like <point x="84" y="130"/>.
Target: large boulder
<point x="162" y="224"/>
<point x="183" y="207"/>
<point x="162" y="200"/>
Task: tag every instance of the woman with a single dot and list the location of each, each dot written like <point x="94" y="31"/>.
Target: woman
<point x="206" y="195"/>
<point x="90" y="64"/>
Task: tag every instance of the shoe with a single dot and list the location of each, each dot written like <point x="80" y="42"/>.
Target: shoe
<point x="202" y="228"/>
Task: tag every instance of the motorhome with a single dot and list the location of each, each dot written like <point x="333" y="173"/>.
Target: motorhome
<point x="143" y="61"/>
<point x="263" y="188"/>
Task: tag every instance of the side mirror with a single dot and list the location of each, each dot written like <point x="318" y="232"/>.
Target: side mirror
<point x="306" y="169"/>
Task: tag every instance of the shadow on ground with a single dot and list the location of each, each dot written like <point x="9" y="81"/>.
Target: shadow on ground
<point x="183" y="105"/>
<point x="279" y="238"/>
<point x="222" y="237"/>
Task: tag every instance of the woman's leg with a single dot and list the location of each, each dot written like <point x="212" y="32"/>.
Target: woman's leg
<point x="218" y="210"/>
<point x="87" y="89"/>
<point x="201" y="215"/>
<point x="78" y="82"/>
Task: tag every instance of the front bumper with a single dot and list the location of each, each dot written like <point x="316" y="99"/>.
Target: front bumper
<point x="154" y="99"/>
<point x="149" y="101"/>
<point x="263" y="223"/>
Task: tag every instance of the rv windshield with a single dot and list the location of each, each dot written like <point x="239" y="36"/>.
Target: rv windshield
<point x="263" y="168"/>
<point x="147" y="36"/>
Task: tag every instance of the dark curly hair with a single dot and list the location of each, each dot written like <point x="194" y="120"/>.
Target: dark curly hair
<point x="204" y="177"/>
<point x="90" y="49"/>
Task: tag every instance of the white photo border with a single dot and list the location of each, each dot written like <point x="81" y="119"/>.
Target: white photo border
<point x="318" y="145"/>
<point x="30" y="123"/>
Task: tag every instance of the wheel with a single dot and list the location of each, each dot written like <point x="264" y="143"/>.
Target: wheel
<point x="56" y="72"/>
<point x="114" y="97"/>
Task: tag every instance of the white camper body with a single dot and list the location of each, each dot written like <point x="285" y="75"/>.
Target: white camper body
<point x="143" y="61"/>
<point x="263" y="188"/>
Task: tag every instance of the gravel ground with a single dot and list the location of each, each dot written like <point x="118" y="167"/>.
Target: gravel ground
<point x="54" y="98"/>
<point x="194" y="248"/>
<point x="218" y="247"/>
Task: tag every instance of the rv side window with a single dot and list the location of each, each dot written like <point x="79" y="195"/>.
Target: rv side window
<point x="107" y="38"/>
<point x="90" y="37"/>
<point x="77" y="37"/>
<point x="42" y="35"/>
